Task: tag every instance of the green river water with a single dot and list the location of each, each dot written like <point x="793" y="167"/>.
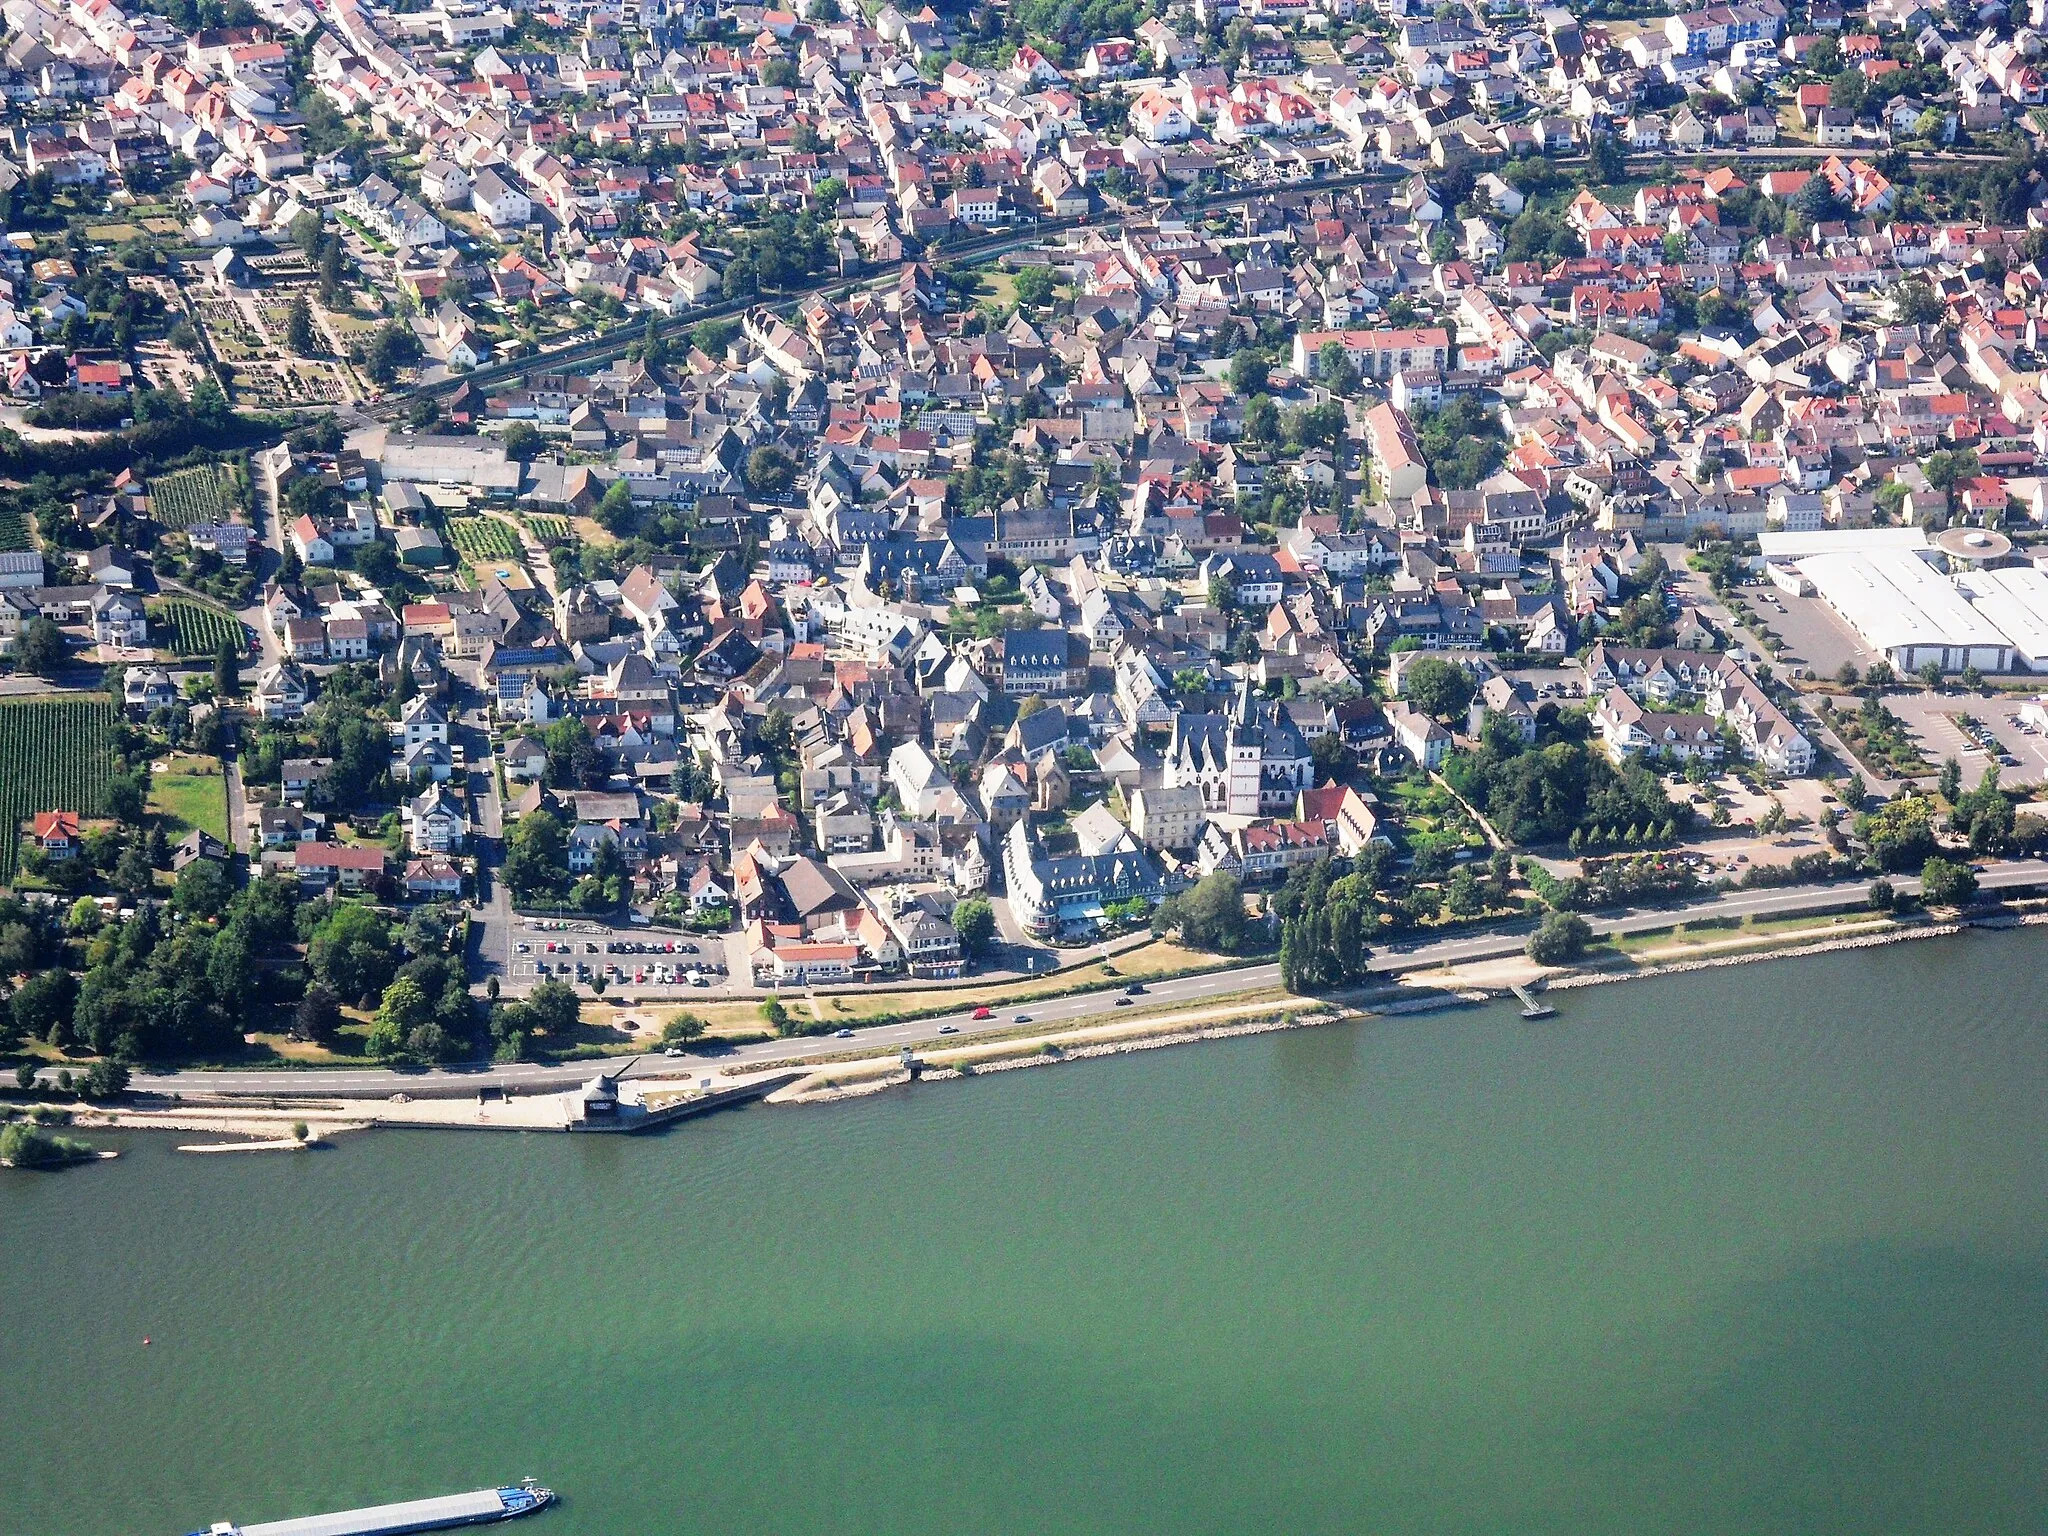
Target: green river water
<point x="1756" y="1250"/>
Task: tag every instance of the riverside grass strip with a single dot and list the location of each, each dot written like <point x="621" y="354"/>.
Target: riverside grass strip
<point x="55" y="755"/>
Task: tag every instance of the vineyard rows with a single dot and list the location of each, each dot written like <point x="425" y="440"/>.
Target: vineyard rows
<point x="201" y="494"/>
<point x="14" y="531"/>
<point x="551" y="530"/>
<point x="482" y="538"/>
<point x="55" y="755"/>
<point x="198" y="630"/>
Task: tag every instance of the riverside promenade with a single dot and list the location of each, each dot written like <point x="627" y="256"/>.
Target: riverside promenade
<point x="1392" y="961"/>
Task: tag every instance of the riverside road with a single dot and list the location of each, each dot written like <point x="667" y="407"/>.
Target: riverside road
<point x="1390" y="960"/>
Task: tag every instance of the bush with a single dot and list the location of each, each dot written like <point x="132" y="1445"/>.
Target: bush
<point x="1561" y="939"/>
<point x="23" y="1146"/>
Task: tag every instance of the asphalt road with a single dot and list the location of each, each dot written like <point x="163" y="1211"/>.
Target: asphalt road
<point x="1192" y="990"/>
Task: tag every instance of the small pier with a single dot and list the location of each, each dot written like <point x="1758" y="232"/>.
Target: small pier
<point x="1532" y="1007"/>
<point x="606" y="1103"/>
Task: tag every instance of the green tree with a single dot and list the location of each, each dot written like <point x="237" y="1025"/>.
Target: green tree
<point x="1560" y="939"/>
<point x="404" y="1009"/>
<point x="1035" y="286"/>
<point x="1335" y="369"/>
<point x="1608" y="160"/>
<point x="318" y="1016"/>
<point x="132" y="871"/>
<point x="1950" y="782"/>
<point x="298" y="326"/>
<point x="1847" y="90"/>
<point x="776" y="1016"/>
<point x="351" y="952"/>
<point x="1946" y="467"/>
<point x="1948" y="883"/>
<point x="537" y="855"/>
<point x="227" y="670"/>
<point x="1882" y="897"/>
<point x="42" y="1005"/>
<point x="974" y="920"/>
<point x="683" y="1030"/>
<point x="104" y="1079"/>
<point x="330" y="274"/>
<point x="25" y="1146"/>
<point x="203" y="890"/>
<point x="1211" y="916"/>
<point x="615" y="510"/>
<point x="1320" y="426"/>
<point x="1440" y="689"/>
<point x="1915" y="303"/>
<point x="43" y="650"/>
<point x="1261" y="420"/>
<point x="1249" y="370"/>
<point x="770" y="471"/>
<point x="306" y="233"/>
<point x="522" y="441"/>
<point x="208" y="403"/>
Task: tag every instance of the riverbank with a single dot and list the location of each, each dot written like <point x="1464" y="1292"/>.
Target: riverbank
<point x="1437" y="988"/>
<point x="863" y="1070"/>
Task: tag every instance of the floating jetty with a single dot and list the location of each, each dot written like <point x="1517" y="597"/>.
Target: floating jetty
<point x="1531" y="1008"/>
<point x="485" y="1506"/>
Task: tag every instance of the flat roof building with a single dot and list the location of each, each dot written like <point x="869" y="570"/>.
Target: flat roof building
<point x="1904" y="608"/>
<point x="2015" y="598"/>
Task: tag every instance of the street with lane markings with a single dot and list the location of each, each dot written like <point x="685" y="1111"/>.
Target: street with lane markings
<point x="1208" y="987"/>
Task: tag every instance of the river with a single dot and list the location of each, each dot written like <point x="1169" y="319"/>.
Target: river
<point x="1756" y="1250"/>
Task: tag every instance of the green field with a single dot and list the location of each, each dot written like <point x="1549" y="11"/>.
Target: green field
<point x="482" y="538"/>
<point x="55" y="755"/>
<point x="197" y="630"/>
<point x="190" y="792"/>
<point x="14" y="530"/>
<point x="203" y="494"/>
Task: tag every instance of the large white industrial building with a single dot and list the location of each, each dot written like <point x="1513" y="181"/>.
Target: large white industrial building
<point x="1895" y="590"/>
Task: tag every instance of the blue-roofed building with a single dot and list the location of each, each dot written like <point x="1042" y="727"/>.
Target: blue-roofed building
<point x="1048" y="662"/>
<point x="1048" y="894"/>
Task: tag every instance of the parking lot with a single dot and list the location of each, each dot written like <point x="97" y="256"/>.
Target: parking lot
<point x="1812" y="634"/>
<point x="1931" y="717"/>
<point x="579" y="953"/>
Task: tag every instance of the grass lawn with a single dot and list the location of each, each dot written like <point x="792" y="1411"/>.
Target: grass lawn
<point x="998" y="287"/>
<point x="190" y="792"/>
<point x="1720" y="932"/>
<point x="740" y="1018"/>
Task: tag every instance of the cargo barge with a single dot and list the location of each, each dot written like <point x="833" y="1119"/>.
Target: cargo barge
<point x="485" y="1506"/>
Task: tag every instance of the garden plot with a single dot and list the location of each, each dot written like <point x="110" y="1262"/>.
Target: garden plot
<point x="204" y="493"/>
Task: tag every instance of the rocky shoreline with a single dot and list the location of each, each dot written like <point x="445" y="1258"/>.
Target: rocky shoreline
<point x="1049" y="1053"/>
<point x="832" y="1092"/>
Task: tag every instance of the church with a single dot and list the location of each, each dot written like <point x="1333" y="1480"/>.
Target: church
<point x="1250" y="762"/>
